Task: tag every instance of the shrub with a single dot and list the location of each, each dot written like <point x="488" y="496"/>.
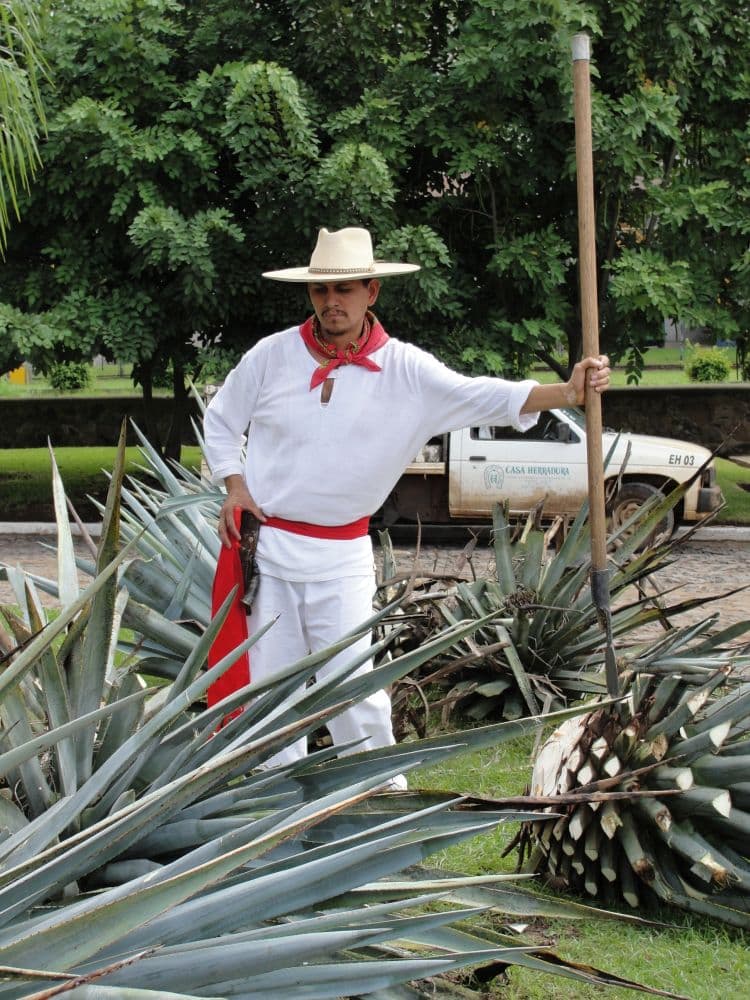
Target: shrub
<point x="69" y="376"/>
<point x="708" y="364"/>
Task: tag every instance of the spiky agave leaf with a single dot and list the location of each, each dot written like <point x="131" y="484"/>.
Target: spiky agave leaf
<point x="681" y="741"/>
<point x="172" y="861"/>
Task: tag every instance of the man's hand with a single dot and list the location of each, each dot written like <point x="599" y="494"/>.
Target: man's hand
<point x="238" y="495"/>
<point x="547" y="397"/>
<point x="596" y="370"/>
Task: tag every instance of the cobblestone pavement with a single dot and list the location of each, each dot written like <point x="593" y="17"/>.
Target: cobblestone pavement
<point x="702" y="568"/>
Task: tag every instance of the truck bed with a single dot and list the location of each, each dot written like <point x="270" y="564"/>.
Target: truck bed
<point x="425" y="469"/>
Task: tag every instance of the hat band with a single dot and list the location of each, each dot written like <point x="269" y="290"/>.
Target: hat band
<point x="340" y="270"/>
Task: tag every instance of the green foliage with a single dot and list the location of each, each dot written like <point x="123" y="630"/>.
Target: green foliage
<point x="707" y="364"/>
<point x="192" y="147"/>
<point x="68" y="376"/>
<point x="21" y="106"/>
<point x="216" y="363"/>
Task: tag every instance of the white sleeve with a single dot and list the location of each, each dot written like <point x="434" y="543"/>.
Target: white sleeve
<point x="455" y="401"/>
<point x="229" y="413"/>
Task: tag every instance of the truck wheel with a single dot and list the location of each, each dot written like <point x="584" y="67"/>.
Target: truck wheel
<point x="627" y="501"/>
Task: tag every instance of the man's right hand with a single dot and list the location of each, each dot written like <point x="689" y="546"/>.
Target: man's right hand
<point x="238" y="495"/>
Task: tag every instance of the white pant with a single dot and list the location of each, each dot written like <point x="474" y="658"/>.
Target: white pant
<point x="312" y="617"/>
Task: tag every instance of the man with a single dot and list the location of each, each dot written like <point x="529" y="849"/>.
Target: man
<point x="334" y="410"/>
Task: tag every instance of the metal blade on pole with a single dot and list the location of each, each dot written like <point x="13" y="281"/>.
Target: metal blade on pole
<point x="590" y="330"/>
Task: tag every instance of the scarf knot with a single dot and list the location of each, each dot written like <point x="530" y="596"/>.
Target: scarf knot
<point x="354" y="353"/>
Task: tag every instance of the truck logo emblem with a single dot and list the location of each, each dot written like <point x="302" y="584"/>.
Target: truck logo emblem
<point x="494" y="477"/>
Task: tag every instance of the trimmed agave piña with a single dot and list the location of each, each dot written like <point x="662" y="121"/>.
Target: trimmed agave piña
<point x="542" y="643"/>
<point x="679" y="747"/>
<point x="144" y="853"/>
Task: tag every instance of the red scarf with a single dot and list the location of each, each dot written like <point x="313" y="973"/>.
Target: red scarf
<point x="373" y="337"/>
<point x="234" y="630"/>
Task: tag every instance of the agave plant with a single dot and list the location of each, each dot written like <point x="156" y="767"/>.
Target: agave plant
<point x="678" y="749"/>
<point x="147" y="853"/>
<point x="542" y="641"/>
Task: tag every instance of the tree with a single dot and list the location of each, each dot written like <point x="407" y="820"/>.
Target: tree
<point x="193" y="146"/>
<point x="21" y="116"/>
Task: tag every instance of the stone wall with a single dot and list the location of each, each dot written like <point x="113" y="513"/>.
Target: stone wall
<point x="715" y="416"/>
<point x="75" y="422"/>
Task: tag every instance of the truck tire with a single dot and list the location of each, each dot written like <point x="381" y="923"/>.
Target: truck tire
<point x="629" y="498"/>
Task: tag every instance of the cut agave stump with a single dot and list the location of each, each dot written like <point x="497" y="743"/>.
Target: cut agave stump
<point x="681" y="834"/>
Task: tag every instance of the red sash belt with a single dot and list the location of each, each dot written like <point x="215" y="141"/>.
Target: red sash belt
<point x="355" y="529"/>
<point x="234" y="630"/>
<point x="228" y="575"/>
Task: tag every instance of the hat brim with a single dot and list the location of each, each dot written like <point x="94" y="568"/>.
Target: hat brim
<point x="303" y="275"/>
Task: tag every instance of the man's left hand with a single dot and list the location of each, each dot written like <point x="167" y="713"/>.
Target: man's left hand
<point x="595" y="370"/>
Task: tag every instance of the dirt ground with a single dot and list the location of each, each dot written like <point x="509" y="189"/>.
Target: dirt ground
<point x="702" y="568"/>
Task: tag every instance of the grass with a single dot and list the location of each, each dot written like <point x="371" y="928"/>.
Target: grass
<point x="107" y="380"/>
<point x="663" y="367"/>
<point x="26" y="483"/>
<point x="683" y="954"/>
<point x="731" y="478"/>
<point x="26" y="478"/>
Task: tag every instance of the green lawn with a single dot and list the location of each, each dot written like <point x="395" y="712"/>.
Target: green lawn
<point x="26" y="478"/>
<point x="25" y="481"/>
<point x="732" y="478"/>
<point x="107" y="380"/>
<point x="697" y="958"/>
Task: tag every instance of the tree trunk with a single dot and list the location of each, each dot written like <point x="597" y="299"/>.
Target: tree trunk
<point x="173" y="447"/>
<point x="144" y="373"/>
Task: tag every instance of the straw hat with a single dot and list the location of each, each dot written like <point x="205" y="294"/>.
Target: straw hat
<point x="344" y="255"/>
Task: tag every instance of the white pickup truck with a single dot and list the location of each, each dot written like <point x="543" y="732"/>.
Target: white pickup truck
<point x="459" y="477"/>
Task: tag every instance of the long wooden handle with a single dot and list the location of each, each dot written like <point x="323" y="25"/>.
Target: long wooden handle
<point x="589" y="305"/>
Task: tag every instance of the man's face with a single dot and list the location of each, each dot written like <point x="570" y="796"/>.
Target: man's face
<point x="341" y="306"/>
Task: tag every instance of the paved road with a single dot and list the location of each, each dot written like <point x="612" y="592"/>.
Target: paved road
<point x="703" y="568"/>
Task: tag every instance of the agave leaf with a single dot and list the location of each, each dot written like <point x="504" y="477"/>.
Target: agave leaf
<point x="57" y="703"/>
<point x="26" y="659"/>
<point x="12" y="820"/>
<point x="176" y="639"/>
<point x="81" y="931"/>
<point x="289" y="888"/>
<point x="642" y="523"/>
<point x="67" y="577"/>
<point x="88" y="671"/>
<point x="90" y="986"/>
<point x="17" y="731"/>
<point x="501" y="534"/>
<point x="122" y="723"/>
<point x="229" y="961"/>
<point x="315" y="982"/>
<point x="13" y="758"/>
<point x="539" y="959"/>
<point x="118" y="762"/>
<point x="382" y="676"/>
<point x="60" y="864"/>
<point x="175" y="607"/>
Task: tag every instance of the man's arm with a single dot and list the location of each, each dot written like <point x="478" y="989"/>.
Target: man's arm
<point x="571" y="393"/>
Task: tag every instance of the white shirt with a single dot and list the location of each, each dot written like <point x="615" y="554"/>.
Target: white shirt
<point x="334" y="463"/>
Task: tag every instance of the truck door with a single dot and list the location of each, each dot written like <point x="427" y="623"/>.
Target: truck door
<point x="493" y="464"/>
